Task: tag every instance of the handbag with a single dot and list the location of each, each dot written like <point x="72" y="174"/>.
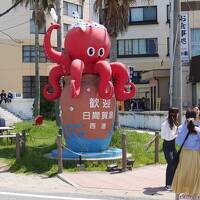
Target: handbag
<point x="176" y="158"/>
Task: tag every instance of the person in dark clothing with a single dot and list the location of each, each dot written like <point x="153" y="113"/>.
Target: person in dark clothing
<point x="3" y="96"/>
<point x="9" y="97"/>
<point x="168" y="133"/>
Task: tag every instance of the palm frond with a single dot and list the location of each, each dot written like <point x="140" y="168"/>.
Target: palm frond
<point x="43" y="7"/>
<point x="115" y="14"/>
<point x="39" y="18"/>
<point x="98" y="5"/>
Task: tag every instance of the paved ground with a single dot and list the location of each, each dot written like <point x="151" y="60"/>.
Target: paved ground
<point x="140" y="183"/>
<point x="146" y="182"/>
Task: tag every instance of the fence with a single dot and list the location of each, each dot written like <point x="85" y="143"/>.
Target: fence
<point x="155" y="140"/>
<point x="21" y="145"/>
<point x="20" y="142"/>
<point x="150" y="120"/>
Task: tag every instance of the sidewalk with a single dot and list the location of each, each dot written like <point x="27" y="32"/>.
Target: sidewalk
<point x="145" y="182"/>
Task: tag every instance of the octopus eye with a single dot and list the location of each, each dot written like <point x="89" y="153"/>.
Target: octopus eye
<point x="90" y="51"/>
<point x="101" y="52"/>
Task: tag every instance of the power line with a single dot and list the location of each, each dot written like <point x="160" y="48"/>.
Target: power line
<point x="9" y="9"/>
<point x="16" y="25"/>
<point x="13" y="39"/>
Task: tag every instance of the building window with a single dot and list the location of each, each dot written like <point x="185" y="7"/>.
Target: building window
<point x="195" y="41"/>
<point x="29" y="54"/>
<point x="69" y="8"/>
<point x="168" y="13"/>
<point x="143" y="15"/>
<point x="65" y="29"/>
<point x="42" y="30"/>
<point x="137" y="47"/>
<point x="29" y="85"/>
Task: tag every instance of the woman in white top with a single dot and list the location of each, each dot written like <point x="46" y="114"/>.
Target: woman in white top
<point x="168" y="134"/>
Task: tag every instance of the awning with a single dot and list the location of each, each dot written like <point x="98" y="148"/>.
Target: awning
<point x="156" y="73"/>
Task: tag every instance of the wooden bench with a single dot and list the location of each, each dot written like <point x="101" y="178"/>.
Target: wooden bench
<point x="10" y="136"/>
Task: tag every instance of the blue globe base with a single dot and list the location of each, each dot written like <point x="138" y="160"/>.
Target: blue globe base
<point x="109" y="154"/>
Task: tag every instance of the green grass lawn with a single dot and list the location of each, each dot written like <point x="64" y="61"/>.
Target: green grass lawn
<point x="41" y="140"/>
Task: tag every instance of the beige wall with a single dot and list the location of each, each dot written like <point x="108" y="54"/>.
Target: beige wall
<point x="160" y="31"/>
<point x="194" y="19"/>
<point x="12" y="69"/>
<point x="163" y="92"/>
<point x="10" y="73"/>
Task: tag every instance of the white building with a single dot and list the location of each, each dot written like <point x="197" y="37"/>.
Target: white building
<point x="145" y="47"/>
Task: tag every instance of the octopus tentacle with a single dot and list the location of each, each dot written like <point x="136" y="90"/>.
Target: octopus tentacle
<point x="76" y="71"/>
<point x="54" y="76"/>
<point x="52" y="54"/>
<point x="120" y="78"/>
<point x="105" y="87"/>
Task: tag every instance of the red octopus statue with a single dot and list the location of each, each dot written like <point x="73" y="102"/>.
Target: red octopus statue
<point x="87" y="45"/>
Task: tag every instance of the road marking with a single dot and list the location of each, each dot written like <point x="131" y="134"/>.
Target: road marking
<point x="43" y="196"/>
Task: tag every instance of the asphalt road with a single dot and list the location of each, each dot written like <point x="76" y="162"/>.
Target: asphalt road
<point x="32" y="196"/>
<point x="27" y="196"/>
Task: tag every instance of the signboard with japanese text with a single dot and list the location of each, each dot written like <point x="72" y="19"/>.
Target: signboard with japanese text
<point x="185" y="56"/>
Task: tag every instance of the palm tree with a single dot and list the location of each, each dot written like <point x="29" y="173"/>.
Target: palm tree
<point x="38" y="15"/>
<point x="114" y="16"/>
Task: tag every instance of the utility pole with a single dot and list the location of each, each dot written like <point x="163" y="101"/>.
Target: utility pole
<point x="175" y="57"/>
<point x="59" y="46"/>
<point x="37" y="74"/>
<point x="59" y="31"/>
<point x="171" y="49"/>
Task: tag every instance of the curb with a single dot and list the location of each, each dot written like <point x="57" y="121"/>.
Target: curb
<point x="64" y="179"/>
<point x="122" y="195"/>
<point x="4" y="167"/>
